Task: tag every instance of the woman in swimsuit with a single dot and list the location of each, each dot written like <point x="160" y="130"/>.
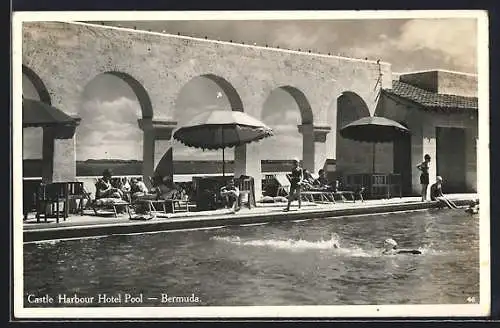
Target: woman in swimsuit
<point x="424" y="176"/>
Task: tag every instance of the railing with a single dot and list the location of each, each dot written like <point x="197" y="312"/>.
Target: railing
<point x="377" y="185"/>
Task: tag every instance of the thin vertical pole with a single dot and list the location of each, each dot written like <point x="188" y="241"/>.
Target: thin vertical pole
<point x="223" y="160"/>
<point x="223" y="165"/>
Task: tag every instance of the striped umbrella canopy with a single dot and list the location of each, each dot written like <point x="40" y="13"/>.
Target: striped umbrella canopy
<point x="220" y="129"/>
<point x="374" y="129"/>
<point x="39" y="114"/>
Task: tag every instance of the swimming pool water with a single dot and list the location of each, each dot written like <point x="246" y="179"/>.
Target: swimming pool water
<point x="290" y="263"/>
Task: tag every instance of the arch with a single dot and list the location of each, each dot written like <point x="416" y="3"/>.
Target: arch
<point x="37" y="82"/>
<point x="353" y="100"/>
<point x="351" y="156"/>
<point x="231" y="93"/>
<point x="306" y="112"/>
<point x="139" y="90"/>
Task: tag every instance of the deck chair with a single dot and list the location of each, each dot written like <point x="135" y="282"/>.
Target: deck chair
<point x="76" y="194"/>
<point x="313" y="193"/>
<point x="105" y="206"/>
<point x="283" y="183"/>
<point x="246" y="186"/>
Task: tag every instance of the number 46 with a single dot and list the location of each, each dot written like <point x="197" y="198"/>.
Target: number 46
<point x="471" y="299"/>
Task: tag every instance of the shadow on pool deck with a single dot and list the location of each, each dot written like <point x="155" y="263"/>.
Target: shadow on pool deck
<point x="90" y="225"/>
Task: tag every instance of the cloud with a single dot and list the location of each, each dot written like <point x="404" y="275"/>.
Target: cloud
<point x="109" y="129"/>
<point x="425" y="44"/>
<point x="283" y="117"/>
<point x="122" y="107"/>
<point x="455" y="39"/>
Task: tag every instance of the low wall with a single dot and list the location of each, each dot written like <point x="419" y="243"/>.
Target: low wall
<point x="96" y="230"/>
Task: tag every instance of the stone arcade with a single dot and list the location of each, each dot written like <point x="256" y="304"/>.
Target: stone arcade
<point x="60" y="59"/>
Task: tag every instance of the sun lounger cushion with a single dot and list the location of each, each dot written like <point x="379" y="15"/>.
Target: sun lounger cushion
<point x="108" y="201"/>
<point x="145" y="217"/>
<point x="280" y="199"/>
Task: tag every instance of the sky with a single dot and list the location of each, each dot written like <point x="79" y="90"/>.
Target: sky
<point x="109" y="108"/>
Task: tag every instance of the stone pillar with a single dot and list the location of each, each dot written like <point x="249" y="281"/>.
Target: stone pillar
<point x="153" y="130"/>
<point x="47" y="155"/>
<point x="163" y="133"/>
<point x="247" y="162"/>
<point x="59" y="154"/>
<point x="308" y="151"/>
<point x="148" y="149"/>
<point x="240" y="161"/>
<point x="471" y="139"/>
<point x="314" y="149"/>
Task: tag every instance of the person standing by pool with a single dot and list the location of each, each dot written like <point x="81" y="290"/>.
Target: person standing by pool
<point x="296" y="178"/>
<point x="424" y="176"/>
<point x="437" y="193"/>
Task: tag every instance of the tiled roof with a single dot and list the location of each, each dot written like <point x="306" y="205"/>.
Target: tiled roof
<point x="431" y="100"/>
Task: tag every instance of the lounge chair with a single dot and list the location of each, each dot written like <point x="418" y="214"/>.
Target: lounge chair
<point x="246" y="187"/>
<point x="316" y="194"/>
<point x="105" y="206"/>
<point x="176" y="203"/>
<point x="283" y="183"/>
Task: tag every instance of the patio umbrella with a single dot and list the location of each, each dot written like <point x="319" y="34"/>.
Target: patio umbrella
<point x="374" y="129"/>
<point x="37" y="114"/>
<point x="220" y="129"/>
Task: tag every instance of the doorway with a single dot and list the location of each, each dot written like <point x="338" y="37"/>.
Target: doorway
<point x="402" y="162"/>
<point x="450" y="158"/>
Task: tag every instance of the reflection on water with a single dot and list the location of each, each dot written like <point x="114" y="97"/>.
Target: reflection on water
<point x="313" y="262"/>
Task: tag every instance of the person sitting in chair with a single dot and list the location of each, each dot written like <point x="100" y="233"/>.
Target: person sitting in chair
<point x="322" y="180"/>
<point x="309" y="183"/>
<point x="138" y="188"/>
<point x="104" y="189"/>
<point x="167" y="189"/>
<point x="230" y="195"/>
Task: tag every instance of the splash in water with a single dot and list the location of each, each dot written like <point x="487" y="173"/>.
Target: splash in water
<point x="292" y="244"/>
<point x="332" y="244"/>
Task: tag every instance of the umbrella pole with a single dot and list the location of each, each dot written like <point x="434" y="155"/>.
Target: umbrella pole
<point x="223" y="160"/>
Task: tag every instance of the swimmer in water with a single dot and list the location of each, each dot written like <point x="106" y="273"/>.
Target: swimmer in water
<point x="473" y="207"/>
<point x="391" y="248"/>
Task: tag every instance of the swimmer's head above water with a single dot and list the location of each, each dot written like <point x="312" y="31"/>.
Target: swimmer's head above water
<point x="390" y="244"/>
<point x="391" y="247"/>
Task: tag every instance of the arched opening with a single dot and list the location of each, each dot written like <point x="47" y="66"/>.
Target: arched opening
<point x="284" y="110"/>
<point x="33" y="88"/>
<point x="351" y="156"/>
<point x="202" y="93"/>
<point x="109" y="135"/>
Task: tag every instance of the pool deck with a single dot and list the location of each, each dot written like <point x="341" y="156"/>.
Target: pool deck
<point x="89" y="225"/>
